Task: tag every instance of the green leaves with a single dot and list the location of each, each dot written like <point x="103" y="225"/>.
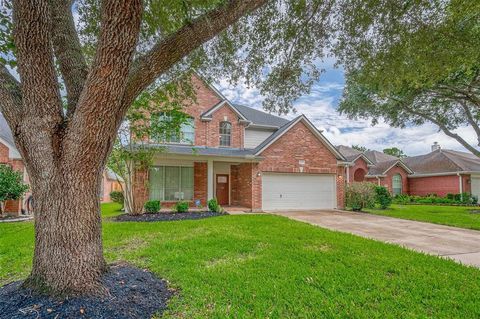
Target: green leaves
<point x="11" y="184"/>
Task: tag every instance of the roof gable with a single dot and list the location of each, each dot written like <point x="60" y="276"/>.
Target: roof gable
<point x="285" y="128"/>
<point x="382" y="168"/>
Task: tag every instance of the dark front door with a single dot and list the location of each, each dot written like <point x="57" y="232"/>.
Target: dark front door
<point x="222" y="189"/>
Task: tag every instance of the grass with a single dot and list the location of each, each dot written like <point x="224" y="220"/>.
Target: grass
<point x="456" y="216"/>
<point x="264" y="266"/>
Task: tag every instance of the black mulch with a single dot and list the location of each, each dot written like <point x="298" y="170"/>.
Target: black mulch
<point x="166" y="216"/>
<point x="134" y="293"/>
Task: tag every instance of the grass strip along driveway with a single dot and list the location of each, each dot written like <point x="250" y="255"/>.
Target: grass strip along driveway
<point x="264" y="266"/>
<point x="457" y="216"/>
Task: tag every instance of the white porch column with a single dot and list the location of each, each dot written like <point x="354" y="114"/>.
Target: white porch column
<point x="210" y="179"/>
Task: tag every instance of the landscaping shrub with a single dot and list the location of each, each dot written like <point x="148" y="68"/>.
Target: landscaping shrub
<point x="450" y="199"/>
<point x="213" y="206"/>
<point x="360" y="195"/>
<point x="117" y="197"/>
<point x="383" y="197"/>
<point x="152" y="206"/>
<point x="181" y="207"/>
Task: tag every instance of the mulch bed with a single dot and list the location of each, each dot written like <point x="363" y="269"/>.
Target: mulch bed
<point x="166" y="216"/>
<point x="134" y="293"/>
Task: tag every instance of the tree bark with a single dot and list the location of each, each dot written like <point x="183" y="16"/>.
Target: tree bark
<point x="66" y="155"/>
<point x="68" y="257"/>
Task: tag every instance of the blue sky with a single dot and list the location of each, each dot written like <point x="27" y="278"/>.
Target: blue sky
<point x="320" y="106"/>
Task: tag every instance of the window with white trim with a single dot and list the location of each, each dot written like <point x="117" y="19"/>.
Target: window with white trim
<point x="171" y="183"/>
<point x="225" y="133"/>
<point x="397" y="184"/>
<point x="184" y="134"/>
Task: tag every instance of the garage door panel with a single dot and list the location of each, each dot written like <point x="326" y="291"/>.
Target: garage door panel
<point x="298" y="191"/>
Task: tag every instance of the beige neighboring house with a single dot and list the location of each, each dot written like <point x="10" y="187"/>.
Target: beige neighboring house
<point x="9" y="155"/>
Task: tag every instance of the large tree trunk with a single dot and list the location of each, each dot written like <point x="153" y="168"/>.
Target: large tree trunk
<point x="68" y="257"/>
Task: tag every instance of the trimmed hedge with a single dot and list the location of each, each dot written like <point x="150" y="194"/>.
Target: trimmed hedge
<point x="450" y="199"/>
<point x="152" y="206"/>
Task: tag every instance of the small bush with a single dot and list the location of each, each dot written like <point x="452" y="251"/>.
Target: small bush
<point x="181" y="207"/>
<point x="383" y="197"/>
<point x="213" y="206"/>
<point x="117" y="197"/>
<point x="152" y="206"/>
<point x="360" y="195"/>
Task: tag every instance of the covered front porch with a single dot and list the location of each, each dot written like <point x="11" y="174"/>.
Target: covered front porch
<point x="196" y="179"/>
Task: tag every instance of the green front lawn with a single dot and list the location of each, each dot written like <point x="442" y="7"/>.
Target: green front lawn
<point x="457" y="216"/>
<point x="264" y="266"/>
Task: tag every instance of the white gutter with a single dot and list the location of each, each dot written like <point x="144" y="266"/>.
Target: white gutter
<point x="378" y="179"/>
<point x="445" y="174"/>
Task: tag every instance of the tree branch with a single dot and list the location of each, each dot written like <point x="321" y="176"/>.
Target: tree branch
<point x="471" y="120"/>
<point x="188" y="38"/>
<point x="97" y="107"/>
<point x="68" y="51"/>
<point x="444" y="129"/>
<point x="10" y="96"/>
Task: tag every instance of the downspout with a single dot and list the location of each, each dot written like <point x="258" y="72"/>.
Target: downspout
<point x="378" y="180"/>
<point x="460" y="186"/>
<point x="347" y="173"/>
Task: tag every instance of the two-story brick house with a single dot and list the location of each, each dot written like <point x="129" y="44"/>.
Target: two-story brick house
<point x="244" y="157"/>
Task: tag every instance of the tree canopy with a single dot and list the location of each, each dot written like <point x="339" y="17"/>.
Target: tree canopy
<point x="413" y="63"/>
<point x="394" y="151"/>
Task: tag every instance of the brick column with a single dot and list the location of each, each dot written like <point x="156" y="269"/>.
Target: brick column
<point x="140" y="189"/>
<point x="340" y="179"/>
<point x="200" y="182"/>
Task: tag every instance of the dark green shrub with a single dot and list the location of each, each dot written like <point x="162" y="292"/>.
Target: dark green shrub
<point x="117" y="197"/>
<point x="383" y="197"/>
<point x="360" y="195"/>
<point x="213" y="205"/>
<point x="152" y="206"/>
<point x="181" y="207"/>
<point x="451" y="196"/>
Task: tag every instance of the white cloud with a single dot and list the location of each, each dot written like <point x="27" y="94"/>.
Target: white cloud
<point x="321" y="108"/>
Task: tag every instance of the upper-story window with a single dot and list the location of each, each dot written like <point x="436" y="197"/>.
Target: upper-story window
<point x="173" y="128"/>
<point x="225" y="133"/>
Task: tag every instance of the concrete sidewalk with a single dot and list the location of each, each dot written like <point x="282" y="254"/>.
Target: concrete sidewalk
<point x="462" y="245"/>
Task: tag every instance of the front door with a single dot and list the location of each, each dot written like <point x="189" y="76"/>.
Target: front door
<point x="222" y="189"/>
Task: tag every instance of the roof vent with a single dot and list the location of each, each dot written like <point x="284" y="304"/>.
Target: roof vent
<point x="435" y="146"/>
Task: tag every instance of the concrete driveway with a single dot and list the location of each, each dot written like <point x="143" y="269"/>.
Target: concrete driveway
<point x="462" y="245"/>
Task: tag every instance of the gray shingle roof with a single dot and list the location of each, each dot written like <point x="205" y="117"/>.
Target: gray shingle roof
<point x="261" y="118"/>
<point x="443" y="161"/>
<point x="203" y="150"/>
<point x="349" y="152"/>
<point x="378" y="157"/>
<point x="5" y="132"/>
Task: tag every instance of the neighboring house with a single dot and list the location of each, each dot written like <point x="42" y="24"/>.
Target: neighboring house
<point x="110" y="183"/>
<point x="9" y="155"/>
<point x="243" y="157"/>
<point x="439" y="172"/>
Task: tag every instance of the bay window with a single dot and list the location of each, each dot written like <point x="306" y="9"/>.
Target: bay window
<point x="171" y="183"/>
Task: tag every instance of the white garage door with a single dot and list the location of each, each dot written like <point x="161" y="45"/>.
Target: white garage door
<point x="475" y="184"/>
<point x="298" y="191"/>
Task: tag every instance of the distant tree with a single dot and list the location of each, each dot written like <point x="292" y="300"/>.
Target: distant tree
<point x="360" y="148"/>
<point x="11" y="186"/>
<point x="394" y="151"/>
<point x="414" y="63"/>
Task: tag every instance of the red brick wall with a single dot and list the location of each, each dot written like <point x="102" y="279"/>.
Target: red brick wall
<point x="299" y="143"/>
<point x="207" y="132"/>
<point x="341" y="188"/>
<point x="140" y="189"/>
<point x="241" y="177"/>
<point x="360" y="164"/>
<point x="387" y="180"/>
<point x="12" y="207"/>
<point x="200" y="180"/>
<point x="440" y="185"/>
